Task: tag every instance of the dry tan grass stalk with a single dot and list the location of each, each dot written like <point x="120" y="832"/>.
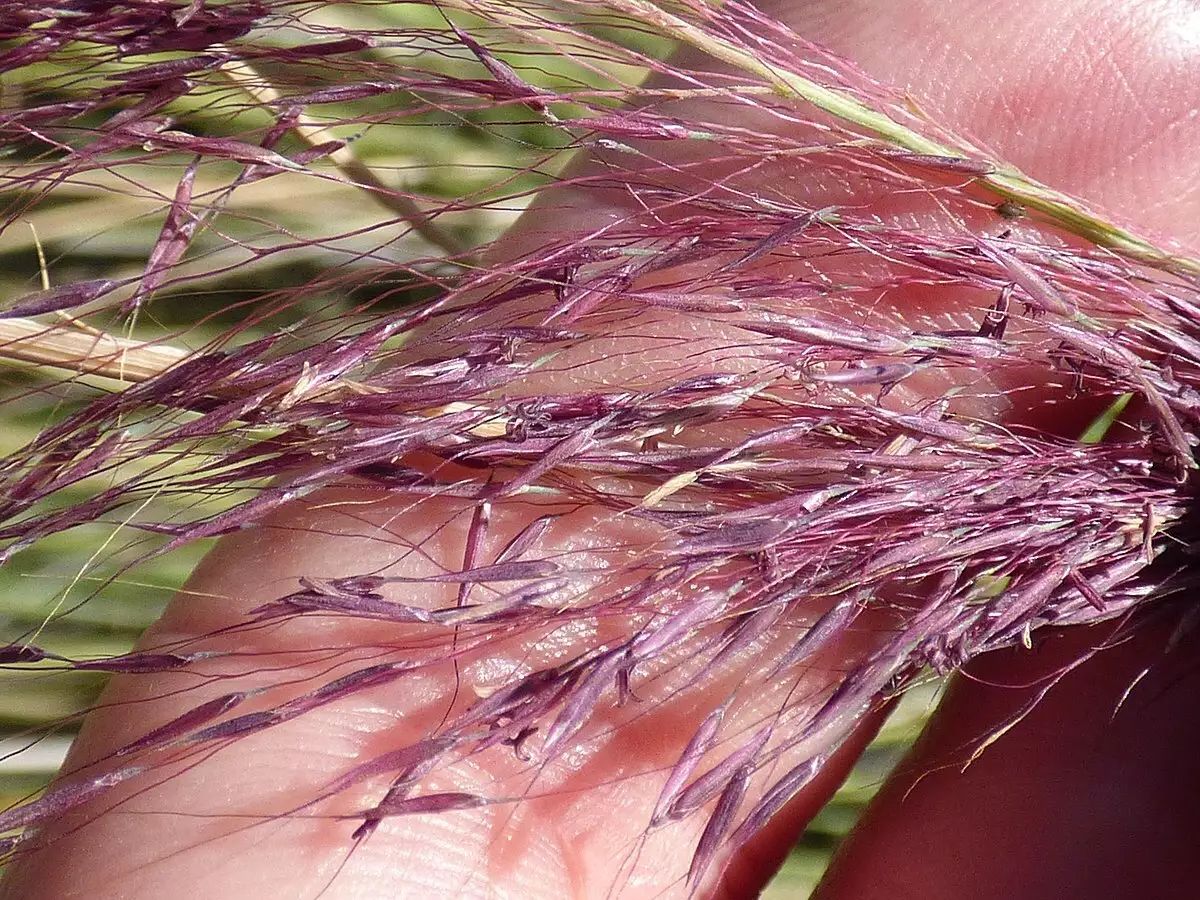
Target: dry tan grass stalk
<point x="89" y="352"/>
<point x="64" y="345"/>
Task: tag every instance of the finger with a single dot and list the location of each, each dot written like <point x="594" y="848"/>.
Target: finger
<point x="256" y="813"/>
<point x="1083" y="796"/>
<point x="1099" y="100"/>
<point x="1072" y="802"/>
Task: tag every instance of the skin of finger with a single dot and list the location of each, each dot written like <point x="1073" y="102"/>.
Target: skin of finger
<point x="1095" y="98"/>
<point x="1111" y="87"/>
<point x="228" y="820"/>
<point x="1072" y="803"/>
<point x="86" y="859"/>
<point x="1092" y="794"/>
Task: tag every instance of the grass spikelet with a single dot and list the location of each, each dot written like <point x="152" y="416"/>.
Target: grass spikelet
<point x="719" y="371"/>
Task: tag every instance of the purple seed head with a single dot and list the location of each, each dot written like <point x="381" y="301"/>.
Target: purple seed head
<point x="782" y="438"/>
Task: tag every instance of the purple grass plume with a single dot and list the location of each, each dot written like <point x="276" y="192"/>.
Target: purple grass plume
<point x="800" y="454"/>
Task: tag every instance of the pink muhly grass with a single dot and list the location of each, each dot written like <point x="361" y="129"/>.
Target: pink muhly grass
<point x="826" y="493"/>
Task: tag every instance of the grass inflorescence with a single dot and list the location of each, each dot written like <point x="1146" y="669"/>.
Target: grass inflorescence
<point x="207" y="352"/>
